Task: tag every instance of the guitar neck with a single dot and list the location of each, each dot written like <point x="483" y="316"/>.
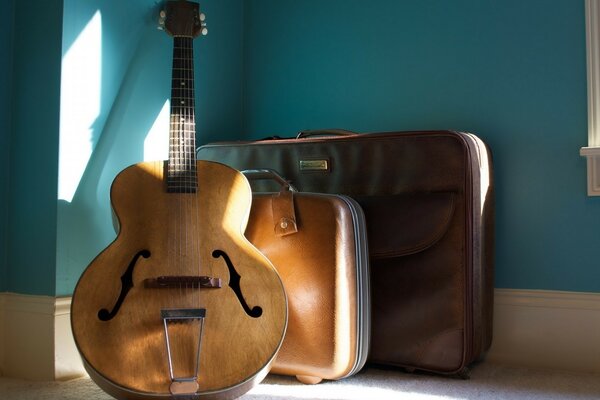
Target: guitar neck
<point x="181" y="173"/>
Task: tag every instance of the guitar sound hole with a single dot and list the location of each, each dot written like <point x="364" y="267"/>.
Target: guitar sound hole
<point x="234" y="284"/>
<point x="126" y="285"/>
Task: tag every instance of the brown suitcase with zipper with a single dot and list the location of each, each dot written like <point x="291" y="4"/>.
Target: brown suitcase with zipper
<point x="428" y="200"/>
<point x="317" y="242"/>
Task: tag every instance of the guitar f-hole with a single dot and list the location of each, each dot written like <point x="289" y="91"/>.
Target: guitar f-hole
<point x="234" y="284"/>
<point x="126" y="285"/>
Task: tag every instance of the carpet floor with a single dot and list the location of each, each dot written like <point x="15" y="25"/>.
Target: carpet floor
<point x="488" y="381"/>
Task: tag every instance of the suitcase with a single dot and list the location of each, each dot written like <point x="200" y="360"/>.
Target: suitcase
<point x="318" y="244"/>
<point x="428" y="199"/>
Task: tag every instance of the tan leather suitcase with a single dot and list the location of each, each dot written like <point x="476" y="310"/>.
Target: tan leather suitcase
<point x="318" y="244"/>
<point x="428" y="199"/>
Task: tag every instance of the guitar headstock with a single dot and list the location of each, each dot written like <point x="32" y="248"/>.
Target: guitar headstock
<point x="182" y="18"/>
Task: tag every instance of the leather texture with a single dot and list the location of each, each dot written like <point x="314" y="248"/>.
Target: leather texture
<point x="318" y="266"/>
<point x="428" y="199"/>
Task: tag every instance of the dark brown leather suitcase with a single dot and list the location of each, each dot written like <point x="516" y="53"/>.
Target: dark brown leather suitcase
<point x="428" y="199"/>
<point x="318" y="244"/>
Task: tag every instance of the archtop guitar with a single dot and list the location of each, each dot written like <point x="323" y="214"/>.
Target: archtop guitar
<point x="180" y="305"/>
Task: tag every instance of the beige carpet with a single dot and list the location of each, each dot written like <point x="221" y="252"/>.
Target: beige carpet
<point x="488" y="381"/>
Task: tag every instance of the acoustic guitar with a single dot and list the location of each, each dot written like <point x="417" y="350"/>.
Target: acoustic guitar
<point x="180" y="305"/>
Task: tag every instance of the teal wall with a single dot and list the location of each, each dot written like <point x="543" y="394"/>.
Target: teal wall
<point x="48" y="239"/>
<point x="5" y="114"/>
<point x="135" y="83"/>
<point x="511" y="71"/>
<point x="31" y="223"/>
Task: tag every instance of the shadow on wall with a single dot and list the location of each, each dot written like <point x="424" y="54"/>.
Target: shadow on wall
<point x="115" y="82"/>
<point x="115" y="89"/>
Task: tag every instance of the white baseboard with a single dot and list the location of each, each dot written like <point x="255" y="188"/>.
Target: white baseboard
<point x="67" y="362"/>
<point x="547" y="329"/>
<point x="36" y="340"/>
<point x="538" y="329"/>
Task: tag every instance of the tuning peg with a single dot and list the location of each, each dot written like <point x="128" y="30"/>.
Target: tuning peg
<point x="162" y="16"/>
<point x="204" y="30"/>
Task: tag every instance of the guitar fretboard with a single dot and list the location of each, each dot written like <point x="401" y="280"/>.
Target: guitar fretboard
<point x="181" y="172"/>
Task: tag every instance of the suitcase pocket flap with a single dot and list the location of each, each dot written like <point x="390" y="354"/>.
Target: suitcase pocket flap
<point x="403" y="224"/>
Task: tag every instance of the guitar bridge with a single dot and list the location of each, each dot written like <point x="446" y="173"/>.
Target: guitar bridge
<point x="183" y="332"/>
<point x="193" y="282"/>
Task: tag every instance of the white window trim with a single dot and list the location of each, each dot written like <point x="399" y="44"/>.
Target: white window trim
<point x="592" y="151"/>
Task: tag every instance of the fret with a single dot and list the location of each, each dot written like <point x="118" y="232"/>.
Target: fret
<point x="186" y="124"/>
<point x="175" y="81"/>
<point x="183" y="62"/>
<point x="182" y="131"/>
<point x="175" y="179"/>
<point x="176" y="143"/>
<point x="188" y="177"/>
<point x="181" y="110"/>
<point x="181" y="93"/>
<point x="178" y="111"/>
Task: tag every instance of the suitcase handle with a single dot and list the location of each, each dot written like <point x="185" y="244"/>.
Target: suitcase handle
<point x="325" y="132"/>
<point x="282" y="204"/>
<point x="258" y="174"/>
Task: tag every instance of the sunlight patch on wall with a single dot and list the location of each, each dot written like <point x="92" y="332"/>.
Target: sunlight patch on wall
<point x="156" y="144"/>
<point x="79" y="106"/>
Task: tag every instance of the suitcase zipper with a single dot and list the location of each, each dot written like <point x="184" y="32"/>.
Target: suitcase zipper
<point x="362" y="286"/>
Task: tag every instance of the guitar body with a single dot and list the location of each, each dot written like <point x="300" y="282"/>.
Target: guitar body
<point x="120" y="313"/>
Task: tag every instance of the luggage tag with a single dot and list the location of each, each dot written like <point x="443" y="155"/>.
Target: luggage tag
<point x="284" y="215"/>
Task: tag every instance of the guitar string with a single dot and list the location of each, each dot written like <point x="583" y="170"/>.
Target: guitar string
<point x="185" y="134"/>
<point x="191" y="195"/>
<point x="187" y="137"/>
<point x="182" y="181"/>
<point x="175" y="301"/>
<point x="174" y="151"/>
<point x="187" y="246"/>
<point x="197" y="236"/>
<point x="182" y="192"/>
<point x="180" y="195"/>
<point x="178" y="190"/>
<point x="193" y="174"/>
<point x="172" y="197"/>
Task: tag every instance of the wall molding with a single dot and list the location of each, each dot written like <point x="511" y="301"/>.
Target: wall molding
<point x="547" y="329"/>
<point x="35" y="338"/>
<point x="532" y="328"/>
